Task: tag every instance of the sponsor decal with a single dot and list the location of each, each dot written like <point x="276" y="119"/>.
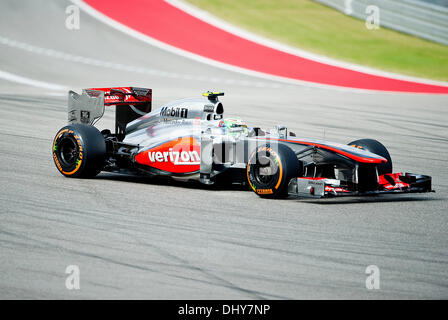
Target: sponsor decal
<point x="140" y="91"/>
<point x="177" y="156"/>
<point x="209" y="108"/>
<point x="174" y="112"/>
<point x="109" y="98"/>
<point x="113" y="99"/>
<point x="85" y="116"/>
<point x="316" y="183"/>
<point x="265" y="191"/>
<point x="355" y="146"/>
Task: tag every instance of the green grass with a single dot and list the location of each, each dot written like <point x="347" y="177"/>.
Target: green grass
<point x="311" y="26"/>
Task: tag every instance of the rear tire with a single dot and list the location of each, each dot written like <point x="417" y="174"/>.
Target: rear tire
<point x="269" y="171"/>
<point x="79" y="151"/>
<point x="378" y="148"/>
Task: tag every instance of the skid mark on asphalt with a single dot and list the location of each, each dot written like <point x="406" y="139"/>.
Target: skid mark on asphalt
<point x="215" y="280"/>
<point x="178" y="262"/>
<point x="44" y="245"/>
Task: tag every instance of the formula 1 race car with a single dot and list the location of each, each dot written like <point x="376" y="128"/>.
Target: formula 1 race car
<point x="190" y="139"/>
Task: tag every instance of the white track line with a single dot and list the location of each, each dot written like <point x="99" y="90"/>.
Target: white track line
<point x="55" y="54"/>
<point x="219" y="23"/>
<point x="35" y="83"/>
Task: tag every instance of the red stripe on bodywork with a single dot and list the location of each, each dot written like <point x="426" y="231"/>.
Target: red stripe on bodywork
<point x="339" y="151"/>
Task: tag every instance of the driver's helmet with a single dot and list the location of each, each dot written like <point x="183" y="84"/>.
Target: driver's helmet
<point x="234" y="126"/>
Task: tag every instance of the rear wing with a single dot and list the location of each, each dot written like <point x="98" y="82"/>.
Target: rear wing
<point x="88" y="107"/>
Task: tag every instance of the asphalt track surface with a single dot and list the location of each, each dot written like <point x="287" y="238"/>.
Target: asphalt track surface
<point x="142" y="238"/>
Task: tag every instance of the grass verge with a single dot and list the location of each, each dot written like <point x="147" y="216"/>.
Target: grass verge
<point x="314" y="27"/>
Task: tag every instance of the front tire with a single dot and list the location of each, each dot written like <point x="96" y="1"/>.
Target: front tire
<point x="269" y="171"/>
<point x="378" y="148"/>
<point x="79" y="151"/>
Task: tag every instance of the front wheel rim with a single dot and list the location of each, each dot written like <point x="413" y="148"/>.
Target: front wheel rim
<point x="264" y="174"/>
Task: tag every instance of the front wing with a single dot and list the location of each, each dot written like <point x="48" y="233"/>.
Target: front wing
<point x="387" y="184"/>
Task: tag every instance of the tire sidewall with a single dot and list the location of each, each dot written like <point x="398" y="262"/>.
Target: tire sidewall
<point x="90" y="146"/>
<point x="287" y="166"/>
<point x="268" y="190"/>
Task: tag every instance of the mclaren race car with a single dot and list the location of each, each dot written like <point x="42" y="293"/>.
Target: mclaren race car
<point x="190" y="139"/>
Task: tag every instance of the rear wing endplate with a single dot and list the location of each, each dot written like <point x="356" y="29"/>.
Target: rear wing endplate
<point x="85" y="108"/>
<point x="88" y="107"/>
